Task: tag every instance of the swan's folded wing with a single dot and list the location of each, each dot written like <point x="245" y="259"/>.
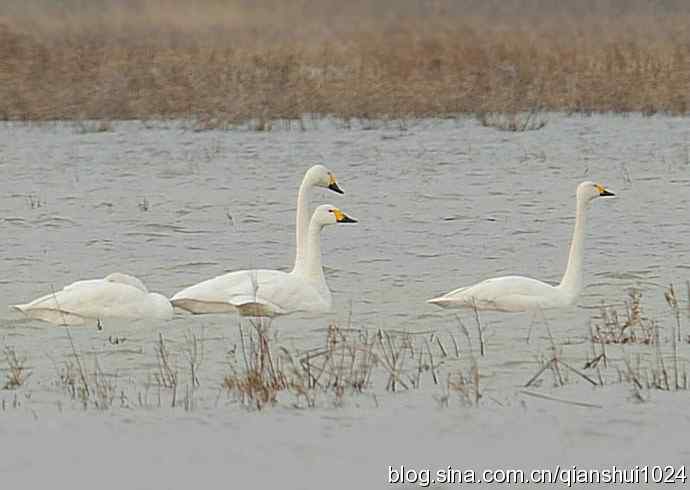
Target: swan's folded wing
<point x="282" y="293"/>
<point x="226" y="292"/>
<point x="510" y="293"/>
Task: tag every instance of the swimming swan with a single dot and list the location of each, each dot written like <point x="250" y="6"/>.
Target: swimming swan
<point x="519" y="294"/>
<point x="116" y="296"/>
<point x="270" y="292"/>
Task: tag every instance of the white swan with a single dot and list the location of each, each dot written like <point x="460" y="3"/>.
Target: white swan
<point x="316" y="176"/>
<point x="519" y="294"/>
<point x="116" y="296"/>
<point x="269" y="292"/>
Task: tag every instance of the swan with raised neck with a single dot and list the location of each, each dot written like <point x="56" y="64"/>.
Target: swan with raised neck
<point x="316" y="176"/>
<point x="517" y="293"/>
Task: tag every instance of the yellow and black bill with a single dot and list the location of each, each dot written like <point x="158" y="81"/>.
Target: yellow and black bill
<point x="603" y="191"/>
<point x="341" y="217"/>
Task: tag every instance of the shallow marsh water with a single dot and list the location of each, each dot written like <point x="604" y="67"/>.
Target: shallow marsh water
<point x="441" y="204"/>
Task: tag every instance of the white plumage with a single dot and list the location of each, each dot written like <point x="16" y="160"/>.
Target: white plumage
<point x="116" y="296"/>
<point x="269" y="292"/>
<point x="517" y="293"/>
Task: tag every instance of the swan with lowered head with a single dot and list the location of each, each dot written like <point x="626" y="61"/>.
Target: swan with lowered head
<point x="116" y="296"/>
<point x="270" y="292"/>
<point x="516" y="293"/>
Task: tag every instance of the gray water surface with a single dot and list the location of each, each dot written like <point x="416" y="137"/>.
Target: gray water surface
<point x="441" y="204"/>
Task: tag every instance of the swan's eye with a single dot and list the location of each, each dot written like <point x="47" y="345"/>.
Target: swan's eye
<point x="331" y="211"/>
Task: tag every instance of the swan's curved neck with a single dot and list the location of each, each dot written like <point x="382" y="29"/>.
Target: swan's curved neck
<point x="572" y="281"/>
<point x="313" y="269"/>
<point x="301" y="225"/>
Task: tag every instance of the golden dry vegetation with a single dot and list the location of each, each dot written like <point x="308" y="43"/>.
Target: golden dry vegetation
<point x="230" y="61"/>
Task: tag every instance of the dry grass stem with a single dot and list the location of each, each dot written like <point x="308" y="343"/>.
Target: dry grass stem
<point x="167" y="373"/>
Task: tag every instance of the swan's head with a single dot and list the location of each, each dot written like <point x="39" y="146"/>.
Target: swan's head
<point x="327" y="214"/>
<point x="320" y="176"/>
<point x="162" y="308"/>
<point x="587" y="191"/>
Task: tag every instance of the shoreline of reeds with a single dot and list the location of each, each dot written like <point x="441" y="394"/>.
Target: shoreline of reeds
<point x="227" y="64"/>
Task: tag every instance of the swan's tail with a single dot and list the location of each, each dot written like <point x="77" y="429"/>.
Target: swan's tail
<point x="441" y="301"/>
<point x="55" y="316"/>
<point x="21" y="308"/>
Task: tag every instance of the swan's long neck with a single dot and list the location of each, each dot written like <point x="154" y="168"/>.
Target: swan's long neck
<point x="572" y="281"/>
<point x="313" y="269"/>
<point x="301" y="225"/>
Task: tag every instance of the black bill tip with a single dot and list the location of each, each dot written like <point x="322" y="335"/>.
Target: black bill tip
<point x="606" y="193"/>
<point x="334" y="187"/>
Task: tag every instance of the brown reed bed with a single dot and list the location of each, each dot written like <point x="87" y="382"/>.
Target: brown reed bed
<point x="233" y="62"/>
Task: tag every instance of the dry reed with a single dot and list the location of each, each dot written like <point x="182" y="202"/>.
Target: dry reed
<point x="224" y="63"/>
<point x="166" y="376"/>
<point x="261" y="376"/>
<point x="634" y="329"/>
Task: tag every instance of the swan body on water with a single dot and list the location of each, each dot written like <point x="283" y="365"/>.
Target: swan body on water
<point x="270" y="292"/>
<point x="116" y="296"/>
<point x="519" y="294"/>
<point x="315" y="176"/>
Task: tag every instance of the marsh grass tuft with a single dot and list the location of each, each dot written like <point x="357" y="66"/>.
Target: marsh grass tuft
<point x="261" y="377"/>
<point x="634" y="328"/>
<point x="97" y="390"/>
<point x="344" y="364"/>
<point x="646" y="365"/>
<point x="74" y="382"/>
<point x="471" y="381"/>
<point x="17" y="372"/>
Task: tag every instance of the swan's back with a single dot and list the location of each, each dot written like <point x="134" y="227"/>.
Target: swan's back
<point x="121" y="278"/>
<point x="508" y="293"/>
